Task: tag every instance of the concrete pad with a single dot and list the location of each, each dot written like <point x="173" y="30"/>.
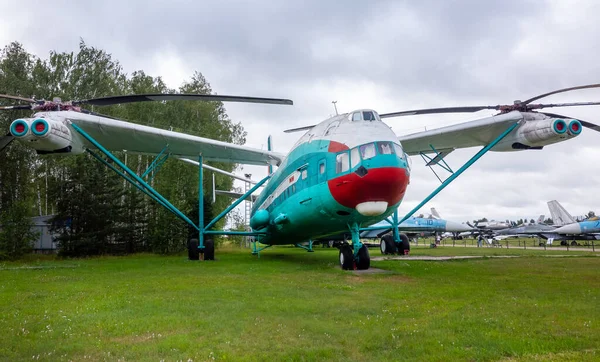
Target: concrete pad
<point x="371" y="271"/>
<point x="441" y="258"/>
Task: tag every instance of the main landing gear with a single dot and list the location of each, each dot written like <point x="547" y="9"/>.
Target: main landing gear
<point x="208" y="252"/>
<point x="388" y="246"/>
<point x="355" y="256"/>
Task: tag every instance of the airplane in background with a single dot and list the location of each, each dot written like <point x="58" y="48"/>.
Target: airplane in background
<point x="567" y="225"/>
<point x="345" y="173"/>
<point x="526" y="230"/>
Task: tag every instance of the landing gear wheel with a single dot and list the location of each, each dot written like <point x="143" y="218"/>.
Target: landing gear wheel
<point x="387" y="245"/>
<point x="364" y="260"/>
<point x="574" y="243"/>
<point x="346" y="257"/>
<point x="193" y="252"/>
<point x="209" y="249"/>
<point x="403" y="245"/>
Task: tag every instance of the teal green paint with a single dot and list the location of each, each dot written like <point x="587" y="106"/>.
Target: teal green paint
<point x="477" y="156"/>
<point x="156" y="163"/>
<point x="133" y="175"/>
<point x="200" y="204"/>
<point x="128" y="179"/>
<point x="395" y="232"/>
<point x="356" y="243"/>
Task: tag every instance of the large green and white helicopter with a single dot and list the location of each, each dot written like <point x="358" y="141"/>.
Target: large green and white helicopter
<point x="344" y="174"/>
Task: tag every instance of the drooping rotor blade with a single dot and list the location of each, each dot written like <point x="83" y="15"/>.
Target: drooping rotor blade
<point x="17" y="98"/>
<point x="291" y="130"/>
<point x="585" y="124"/>
<point x="438" y="110"/>
<point x="572" y="104"/>
<point x="107" y="101"/>
<point x="561" y="91"/>
<point x="5" y="141"/>
<point x="14" y="107"/>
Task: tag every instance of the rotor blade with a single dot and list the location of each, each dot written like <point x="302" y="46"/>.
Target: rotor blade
<point x="572" y="104"/>
<point x="5" y="141"/>
<point x="17" y="98"/>
<point x="561" y="91"/>
<point x="585" y="124"/>
<point x="107" y="101"/>
<point x="299" y="129"/>
<point x="17" y="106"/>
<point x="438" y="110"/>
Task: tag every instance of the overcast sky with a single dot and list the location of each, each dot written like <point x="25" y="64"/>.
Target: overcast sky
<point x="385" y="55"/>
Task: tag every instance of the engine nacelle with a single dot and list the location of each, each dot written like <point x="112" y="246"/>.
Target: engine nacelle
<point x="537" y="133"/>
<point x="44" y="135"/>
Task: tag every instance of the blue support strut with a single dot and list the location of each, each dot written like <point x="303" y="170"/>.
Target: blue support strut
<point x="395" y="232"/>
<point x="128" y="179"/>
<point x="200" y="205"/>
<point x="452" y="177"/>
<point x="236" y="203"/>
<point x="156" y="162"/>
<point x="133" y="175"/>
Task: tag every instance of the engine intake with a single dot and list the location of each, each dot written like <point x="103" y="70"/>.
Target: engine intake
<point x="19" y="128"/>
<point x="575" y="127"/>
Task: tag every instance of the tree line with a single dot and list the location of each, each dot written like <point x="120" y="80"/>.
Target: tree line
<point x="96" y="211"/>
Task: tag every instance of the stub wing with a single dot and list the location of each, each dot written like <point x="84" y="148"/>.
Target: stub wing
<point x="480" y="132"/>
<point x="117" y="135"/>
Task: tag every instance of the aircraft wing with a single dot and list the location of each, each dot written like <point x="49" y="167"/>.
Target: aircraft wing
<point x="480" y="132"/>
<point x="117" y="135"/>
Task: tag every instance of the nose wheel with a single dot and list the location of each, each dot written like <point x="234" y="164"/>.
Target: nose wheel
<point x="355" y="256"/>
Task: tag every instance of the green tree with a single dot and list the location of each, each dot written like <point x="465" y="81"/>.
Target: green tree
<point x="15" y="231"/>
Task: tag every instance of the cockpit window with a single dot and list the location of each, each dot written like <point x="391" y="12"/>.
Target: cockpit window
<point x="342" y="162"/>
<point x="367" y="151"/>
<point x="385" y="148"/>
<point x="356" y="116"/>
<point x="399" y="150"/>
<point x="368" y="116"/>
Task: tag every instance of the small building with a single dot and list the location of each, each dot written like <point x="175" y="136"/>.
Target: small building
<point x="44" y="243"/>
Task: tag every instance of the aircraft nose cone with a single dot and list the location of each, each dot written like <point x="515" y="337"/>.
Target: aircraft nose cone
<point x="374" y="186"/>
<point x="569" y="229"/>
<point x="455" y="227"/>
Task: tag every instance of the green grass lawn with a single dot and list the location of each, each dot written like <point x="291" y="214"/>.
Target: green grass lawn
<point x="294" y="305"/>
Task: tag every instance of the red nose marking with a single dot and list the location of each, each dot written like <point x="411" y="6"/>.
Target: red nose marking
<point x="20" y="128"/>
<point x="379" y="184"/>
<point x="560" y="126"/>
<point x="40" y="127"/>
<point x="575" y="127"/>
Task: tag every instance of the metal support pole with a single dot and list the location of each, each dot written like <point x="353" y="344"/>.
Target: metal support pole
<point x="236" y="203"/>
<point x="128" y="179"/>
<point x="132" y="174"/>
<point x="452" y="177"/>
<point x="395" y="223"/>
<point x="354" y="231"/>
<point x="151" y="167"/>
<point x="200" y="205"/>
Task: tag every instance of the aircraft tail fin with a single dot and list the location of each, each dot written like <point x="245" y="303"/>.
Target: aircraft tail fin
<point x="435" y="214"/>
<point x="541" y="219"/>
<point x="559" y="215"/>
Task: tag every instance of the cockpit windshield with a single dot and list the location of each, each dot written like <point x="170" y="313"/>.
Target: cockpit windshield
<point x="366" y="115"/>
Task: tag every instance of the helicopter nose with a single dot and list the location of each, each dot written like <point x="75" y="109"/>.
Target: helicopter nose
<point x="370" y="191"/>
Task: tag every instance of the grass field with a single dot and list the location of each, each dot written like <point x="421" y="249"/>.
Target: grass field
<point x="294" y="305"/>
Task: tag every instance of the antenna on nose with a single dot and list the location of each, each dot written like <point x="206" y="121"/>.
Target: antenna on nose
<point x="335" y="107"/>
